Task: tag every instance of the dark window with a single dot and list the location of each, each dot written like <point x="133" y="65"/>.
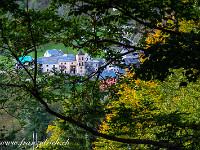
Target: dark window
<point x="82" y="63"/>
<point x="79" y="64"/>
<point x="61" y="63"/>
<point x="47" y="65"/>
<point x="65" y="63"/>
<point x="82" y="58"/>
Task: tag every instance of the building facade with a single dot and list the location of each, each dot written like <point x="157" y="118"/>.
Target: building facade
<point x="65" y="63"/>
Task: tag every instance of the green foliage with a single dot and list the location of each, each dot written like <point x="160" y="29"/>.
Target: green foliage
<point x="160" y="111"/>
<point x="79" y="104"/>
<point x="166" y="113"/>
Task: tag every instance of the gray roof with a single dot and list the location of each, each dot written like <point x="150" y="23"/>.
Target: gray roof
<point x="107" y="74"/>
<point x="122" y="71"/>
<point x="111" y="74"/>
<point x="55" y="52"/>
<point x="68" y="57"/>
<point x="48" y="60"/>
<point x="100" y="60"/>
<point x="39" y="60"/>
<point x="55" y="59"/>
<point x="131" y="61"/>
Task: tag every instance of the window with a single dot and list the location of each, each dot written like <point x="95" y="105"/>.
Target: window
<point x="47" y="70"/>
<point x="79" y="58"/>
<point x="65" y="63"/>
<point x="81" y="70"/>
<point x="61" y="63"/>
<point x="82" y="58"/>
<point x="47" y="65"/>
<point x="82" y="63"/>
<point x="81" y="67"/>
<point x="79" y="64"/>
<point x="65" y="72"/>
<point x="53" y="66"/>
<point x="72" y="62"/>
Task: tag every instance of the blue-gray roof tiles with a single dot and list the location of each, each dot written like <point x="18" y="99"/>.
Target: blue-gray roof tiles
<point x="68" y="57"/>
<point x="107" y="74"/>
<point x="39" y="60"/>
<point x="122" y="71"/>
<point x="55" y="59"/>
<point x="131" y="61"/>
<point x="48" y="60"/>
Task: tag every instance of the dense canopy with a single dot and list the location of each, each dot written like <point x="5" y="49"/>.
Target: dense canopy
<point x="166" y="33"/>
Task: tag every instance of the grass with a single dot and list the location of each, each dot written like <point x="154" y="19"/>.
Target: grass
<point x="49" y="46"/>
<point x="8" y="121"/>
<point x="66" y="50"/>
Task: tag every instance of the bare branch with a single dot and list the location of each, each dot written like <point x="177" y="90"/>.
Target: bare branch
<point x="34" y="48"/>
<point x="12" y="85"/>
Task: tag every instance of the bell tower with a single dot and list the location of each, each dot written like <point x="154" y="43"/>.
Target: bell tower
<point x="80" y="58"/>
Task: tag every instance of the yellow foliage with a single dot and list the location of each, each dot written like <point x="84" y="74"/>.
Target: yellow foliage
<point x="159" y="36"/>
<point x="162" y="95"/>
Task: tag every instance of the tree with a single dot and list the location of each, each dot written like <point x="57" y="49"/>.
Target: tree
<point x="153" y="110"/>
<point x="95" y="26"/>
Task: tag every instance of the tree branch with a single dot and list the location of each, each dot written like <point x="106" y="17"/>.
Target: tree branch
<point x="13" y="85"/>
<point x="34" y="47"/>
<point x="36" y="94"/>
<point x="13" y="54"/>
<point x="109" y="41"/>
<point x="129" y="14"/>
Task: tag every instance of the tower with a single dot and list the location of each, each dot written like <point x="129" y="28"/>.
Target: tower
<point x="80" y="58"/>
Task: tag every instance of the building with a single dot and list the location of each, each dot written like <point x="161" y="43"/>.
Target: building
<point x="26" y="61"/>
<point x="53" y="52"/>
<point x="65" y="63"/>
<point x="81" y="64"/>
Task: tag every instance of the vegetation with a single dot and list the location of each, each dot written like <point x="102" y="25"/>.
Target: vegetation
<point x="153" y="110"/>
<point x="154" y="106"/>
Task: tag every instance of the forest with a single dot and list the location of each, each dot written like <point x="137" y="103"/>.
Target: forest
<point x="153" y="106"/>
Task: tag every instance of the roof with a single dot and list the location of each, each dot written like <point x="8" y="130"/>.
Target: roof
<point x="107" y="74"/>
<point x="55" y="59"/>
<point x="80" y="53"/>
<point x="39" y="60"/>
<point x="48" y="60"/>
<point x="55" y="52"/>
<point x="131" y="61"/>
<point x="122" y="71"/>
<point x="24" y="59"/>
<point x="68" y="57"/>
